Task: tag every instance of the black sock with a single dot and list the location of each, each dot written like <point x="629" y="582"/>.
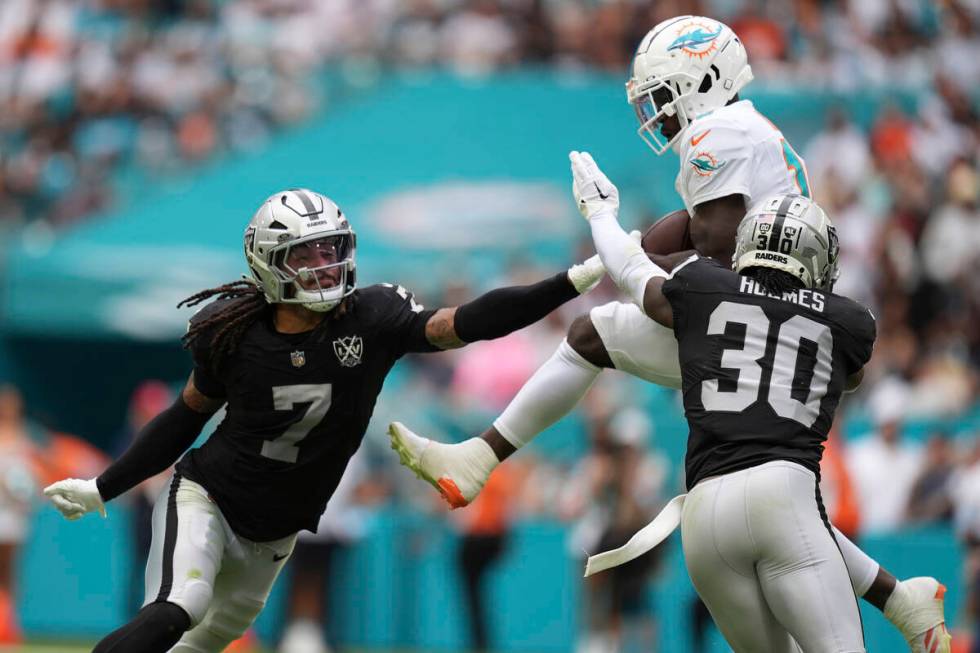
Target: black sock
<point x="155" y="629"/>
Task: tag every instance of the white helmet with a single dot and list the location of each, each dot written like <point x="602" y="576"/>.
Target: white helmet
<point x="793" y="234"/>
<point x="300" y="249"/>
<point x="688" y="66"/>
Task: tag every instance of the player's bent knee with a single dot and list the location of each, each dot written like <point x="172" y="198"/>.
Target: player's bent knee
<point x="584" y="339"/>
<point x="195" y="599"/>
<point x="235" y="616"/>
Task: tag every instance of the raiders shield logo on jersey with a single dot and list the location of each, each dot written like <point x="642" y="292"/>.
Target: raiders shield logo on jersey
<point x="298" y="358"/>
<point x="348" y="350"/>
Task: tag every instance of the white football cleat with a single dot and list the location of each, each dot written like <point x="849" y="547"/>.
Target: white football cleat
<point x="916" y="609"/>
<point x="458" y="471"/>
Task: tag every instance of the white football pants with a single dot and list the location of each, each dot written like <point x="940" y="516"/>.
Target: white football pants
<point x="197" y="562"/>
<point x="648" y="350"/>
<point x="638" y="345"/>
<point x="766" y="565"/>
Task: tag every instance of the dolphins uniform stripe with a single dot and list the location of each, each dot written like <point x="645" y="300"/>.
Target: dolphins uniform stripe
<point x="777" y="225"/>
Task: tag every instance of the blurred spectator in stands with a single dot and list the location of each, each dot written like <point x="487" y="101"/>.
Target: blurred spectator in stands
<point x="613" y="492"/>
<point x="891" y="137"/>
<point x="486" y="375"/>
<point x="965" y="492"/>
<point x="958" y="46"/>
<point x="858" y="228"/>
<point x="414" y="35"/>
<point x="343" y="523"/>
<point x="18" y="486"/>
<point x="839" y="150"/>
<point x="764" y="38"/>
<point x="882" y="466"/>
<point x="944" y="131"/>
<point x="609" y="27"/>
<point x="836" y="487"/>
<point x="951" y="239"/>
<point x="147" y="401"/>
<point x="485" y="529"/>
<point x="478" y="39"/>
<point x="929" y="499"/>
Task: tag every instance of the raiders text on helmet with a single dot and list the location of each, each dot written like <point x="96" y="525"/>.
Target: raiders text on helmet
<point x="685" y="66"/>
<point x="300" y="249"/>
<point x="793" y="234"/>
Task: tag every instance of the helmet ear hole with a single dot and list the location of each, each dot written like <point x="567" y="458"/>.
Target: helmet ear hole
<point x="705" y="84"/>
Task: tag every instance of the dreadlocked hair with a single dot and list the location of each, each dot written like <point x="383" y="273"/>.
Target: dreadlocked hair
<point x="232" y="320"/>
<point x="775" y="282"/>
<point x="235" y="318"/>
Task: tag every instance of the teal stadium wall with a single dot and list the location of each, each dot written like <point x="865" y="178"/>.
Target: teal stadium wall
<point x="398" y="588"/>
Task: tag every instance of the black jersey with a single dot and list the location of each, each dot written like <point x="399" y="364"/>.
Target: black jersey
<point x="761" y="375"/>
<point x="297" y="408"/>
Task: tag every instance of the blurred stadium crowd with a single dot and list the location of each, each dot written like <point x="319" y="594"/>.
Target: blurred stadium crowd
<point x="89" y="84"/>
<point x="92" y="89"/>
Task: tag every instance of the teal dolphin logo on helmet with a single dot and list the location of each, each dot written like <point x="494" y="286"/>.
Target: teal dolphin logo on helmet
<point x="692" y="41"/>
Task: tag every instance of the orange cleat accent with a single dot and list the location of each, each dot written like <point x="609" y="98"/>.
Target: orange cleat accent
<point x="247" y="643"/>
<point x="940" y="592"/>
<point x="450" y="492"/>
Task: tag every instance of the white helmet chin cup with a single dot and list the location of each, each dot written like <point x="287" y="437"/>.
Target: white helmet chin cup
<point x="697" y="64"/>
<point x="290" y="223"/>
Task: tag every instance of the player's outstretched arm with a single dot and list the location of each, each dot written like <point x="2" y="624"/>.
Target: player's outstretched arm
<point x="504" y="310"/>
<point x="628" y="265"/>
<point x="155" y="448"/>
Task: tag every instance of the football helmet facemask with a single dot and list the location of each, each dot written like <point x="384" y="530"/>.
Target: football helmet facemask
<point x="300" y="250"/>
<point x="685" y="66"/>
<point x="793" y="234"/>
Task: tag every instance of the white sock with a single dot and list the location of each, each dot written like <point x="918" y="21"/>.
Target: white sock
<point x="548" y="395"/>
<point x="861" y="568"/>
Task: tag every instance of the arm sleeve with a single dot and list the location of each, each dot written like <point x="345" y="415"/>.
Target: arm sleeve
<point x="504" y="310"/>
<point x="626" y="262"/>
<point x="719" y="165"/>
<point x="155" y="448"/>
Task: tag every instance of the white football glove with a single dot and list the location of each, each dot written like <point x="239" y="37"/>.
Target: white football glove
<point x="593" y="191"/>
<point x="586" y="275"/>
<point x="73" y="497"/>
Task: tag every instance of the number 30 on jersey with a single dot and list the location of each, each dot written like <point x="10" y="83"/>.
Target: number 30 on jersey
<point x="784" y="364"/>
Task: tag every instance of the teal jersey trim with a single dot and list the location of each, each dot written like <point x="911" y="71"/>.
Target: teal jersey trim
<point x="795" y="164"/>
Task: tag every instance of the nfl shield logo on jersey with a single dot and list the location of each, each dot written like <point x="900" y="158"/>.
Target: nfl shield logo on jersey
<point x="298" y="358"/>
<point x="348" y="350"/>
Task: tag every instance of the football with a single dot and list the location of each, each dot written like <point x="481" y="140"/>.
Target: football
<point x="669" y="234"/>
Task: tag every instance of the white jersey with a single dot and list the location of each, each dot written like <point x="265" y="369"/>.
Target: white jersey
<point x="735" y="150"/>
